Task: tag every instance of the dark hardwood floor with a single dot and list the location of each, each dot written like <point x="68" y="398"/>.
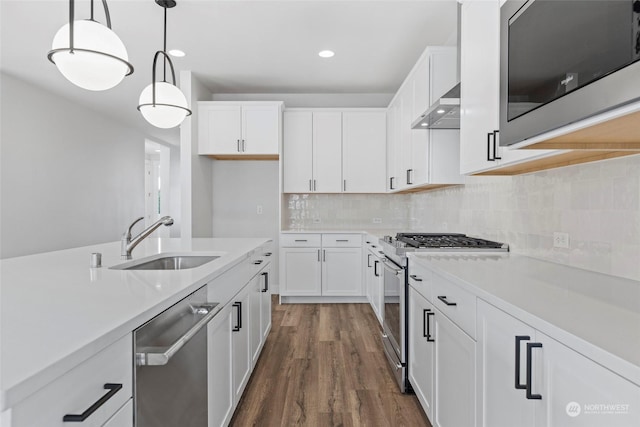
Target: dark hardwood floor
<point x="323" y="365"/>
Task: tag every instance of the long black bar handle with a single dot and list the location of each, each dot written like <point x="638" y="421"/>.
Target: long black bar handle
<point x="391" y="187"/>
<point x="519" y="338"/>
<point x="443" y="298"/>
<point x="429" y="338"/>
<point x="489" y="158"/>
<point x="258" y="262"/>
<point x="268" y="254"/>
<point x="495" y="145"/>
<point x="530" y="347"/>
<point x="266" y="281"/>
<point x="78" y="418"/>
<point x="425" y="329"/>
<point x="375" y="268"/>
<point x="239" y="322"/>
<point x="416" y="278"/>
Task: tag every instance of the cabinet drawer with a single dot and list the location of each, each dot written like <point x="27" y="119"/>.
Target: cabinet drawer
<point x="455" y="303"/>
<point x="420" y="278"/>
<point x="342" y="240"/>
<point x="80" y="388"/>
<point x="300" y="240"/>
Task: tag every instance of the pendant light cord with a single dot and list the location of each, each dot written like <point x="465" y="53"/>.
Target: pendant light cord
<point x="165" y="45"/>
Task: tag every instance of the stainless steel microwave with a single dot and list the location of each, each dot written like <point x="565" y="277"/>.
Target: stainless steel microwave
<point x="562" y="61"/>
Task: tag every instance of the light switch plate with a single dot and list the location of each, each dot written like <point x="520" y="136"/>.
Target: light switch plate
<point x="560" y="240"/>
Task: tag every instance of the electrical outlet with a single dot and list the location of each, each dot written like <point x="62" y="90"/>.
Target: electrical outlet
<point x="560" y="240"/>
<point x="259" y="209"/>
<point x="377" y="220"/>
<point x="316" y="220"/>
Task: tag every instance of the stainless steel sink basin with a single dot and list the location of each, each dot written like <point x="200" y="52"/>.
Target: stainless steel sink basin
<point x="169" y="262"/>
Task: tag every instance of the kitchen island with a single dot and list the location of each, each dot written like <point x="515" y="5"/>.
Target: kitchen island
<point x="57" y="312"/>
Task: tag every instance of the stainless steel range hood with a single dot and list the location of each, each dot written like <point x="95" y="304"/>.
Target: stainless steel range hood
<point x="442" y="114"/>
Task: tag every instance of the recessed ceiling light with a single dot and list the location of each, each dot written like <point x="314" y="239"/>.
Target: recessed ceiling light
<point x="423" y="124"/>
<point x="177" y="53"/>
<point x="326" y="53"/>
<point x="440" y="111"/>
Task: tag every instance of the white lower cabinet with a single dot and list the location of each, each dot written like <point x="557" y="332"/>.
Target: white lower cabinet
<point x="219" y="367"/>
<point x="265" y="304"/>
<point x="328" y="265"/>
<point x="565" y="388"/>
<point x="75" y="392"/>
<point x="455" y="369"/>
<point x="374" y="280"/>
<point x="421" y="350"/>
<point x="255" y="318"/>
<point x="122" y="418"/>
<point x="240" y="336"/>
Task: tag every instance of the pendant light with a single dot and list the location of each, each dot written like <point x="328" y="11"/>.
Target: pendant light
<point x="161" y="103"/>
<point x="88" y="54"/>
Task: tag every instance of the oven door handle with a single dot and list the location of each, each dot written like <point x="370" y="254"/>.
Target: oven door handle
<point x="391" y="266"/>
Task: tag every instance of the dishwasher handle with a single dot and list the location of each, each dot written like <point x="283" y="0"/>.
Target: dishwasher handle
<point x="153" y="357"/>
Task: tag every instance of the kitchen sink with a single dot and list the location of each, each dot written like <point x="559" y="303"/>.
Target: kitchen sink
<point x="167" y="262"/>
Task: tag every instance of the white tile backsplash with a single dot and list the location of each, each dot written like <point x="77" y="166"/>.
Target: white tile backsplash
<point x="598" y="204"/>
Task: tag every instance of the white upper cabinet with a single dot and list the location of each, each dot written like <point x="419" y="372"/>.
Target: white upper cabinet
<point x="334" y="151"/>
<point x="297" y="151"/>
<point x="327" y="151"/>
<point x="480" y="92"/>
<point x="422" y="158"/>
<point x="239" y="129"/>
<point x="364" y="145"/>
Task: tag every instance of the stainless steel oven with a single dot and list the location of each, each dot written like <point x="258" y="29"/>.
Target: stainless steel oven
<point x="393" y="328"/>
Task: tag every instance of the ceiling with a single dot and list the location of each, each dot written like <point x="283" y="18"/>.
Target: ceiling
<point x="237" y="46"/>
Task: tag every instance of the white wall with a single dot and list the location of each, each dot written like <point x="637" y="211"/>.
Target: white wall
<point x="68" y="176"/>
<point x="196" y="191"/>
<point x="238" y="187"/>
<point x="598" y="204"/>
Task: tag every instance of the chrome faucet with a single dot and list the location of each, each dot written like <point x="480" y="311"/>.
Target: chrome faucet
<point x="129" y="243"/>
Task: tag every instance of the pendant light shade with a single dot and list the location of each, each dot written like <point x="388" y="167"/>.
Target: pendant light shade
<point x="170" y="107"/>
<point x="89" y="54"/>
<point x="162" y="103"/>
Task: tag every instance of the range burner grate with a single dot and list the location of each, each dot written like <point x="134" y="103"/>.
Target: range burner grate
<point x="432" y="240"/>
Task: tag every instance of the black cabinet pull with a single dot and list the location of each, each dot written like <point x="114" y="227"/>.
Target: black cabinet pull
<point x="268" y="254"/>
<point x="443" y="298"/>
<point x="519" y="338"/>
<point x="429" y="338"/>
<point x="342" y="240"/>
<point x="239" y="322"/>
<point x="258" y="262"/>
<point x="369" y="260"/>
<point x="489" y="158"/>
<point x="375" y="268"/>
<point x="300" y="240"/>
<point x="113" y="389"/>
<point x="266" y="281"/>
<point x="530" y="347"/>
<point x="495" y="145"/>
<point x="409" y="177"/>
<point x="416" y="278"/>
<point x="391" y="187"/>
<point x="425" y="323"/>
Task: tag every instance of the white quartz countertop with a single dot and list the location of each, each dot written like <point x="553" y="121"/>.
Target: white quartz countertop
<point x="596" y="314"/>
<point x="56" y="311"/>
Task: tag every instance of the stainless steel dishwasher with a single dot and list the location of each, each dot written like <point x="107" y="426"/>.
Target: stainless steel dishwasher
<point x="170" y="379"/>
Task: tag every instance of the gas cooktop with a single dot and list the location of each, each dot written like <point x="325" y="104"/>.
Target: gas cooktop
<point x="402" y="243"/>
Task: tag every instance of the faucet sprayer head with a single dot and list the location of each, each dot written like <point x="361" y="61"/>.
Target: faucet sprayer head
<point x="167" y="220"/>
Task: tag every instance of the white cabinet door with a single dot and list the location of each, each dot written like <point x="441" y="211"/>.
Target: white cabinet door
<point x="260" y="129"/>
<point x="255" y="317"/>
<point x="265" y="309"/>
<point x="377" y="291"/>
<point x="220" y="395"/>
<point x="480" y="72"/>
<point x="298" y="152"/>
<point x="122" y="418"/>
<point x="500" y="403"/>
<point x="342" y="272"/>
<point x="327" y="151"/>
<point x="575" y="391"/>
<point x="394" y="160"/>
<point x="421" y="350"/>
<point x="301" y="271"/>
<point x="241" y="365"/>
<point x="455" y="375"/>
<point x="220" y="129"/>
<point x="406" y="134"/>
<point x="420" y="86"/>
<point x="364" y="148"/>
